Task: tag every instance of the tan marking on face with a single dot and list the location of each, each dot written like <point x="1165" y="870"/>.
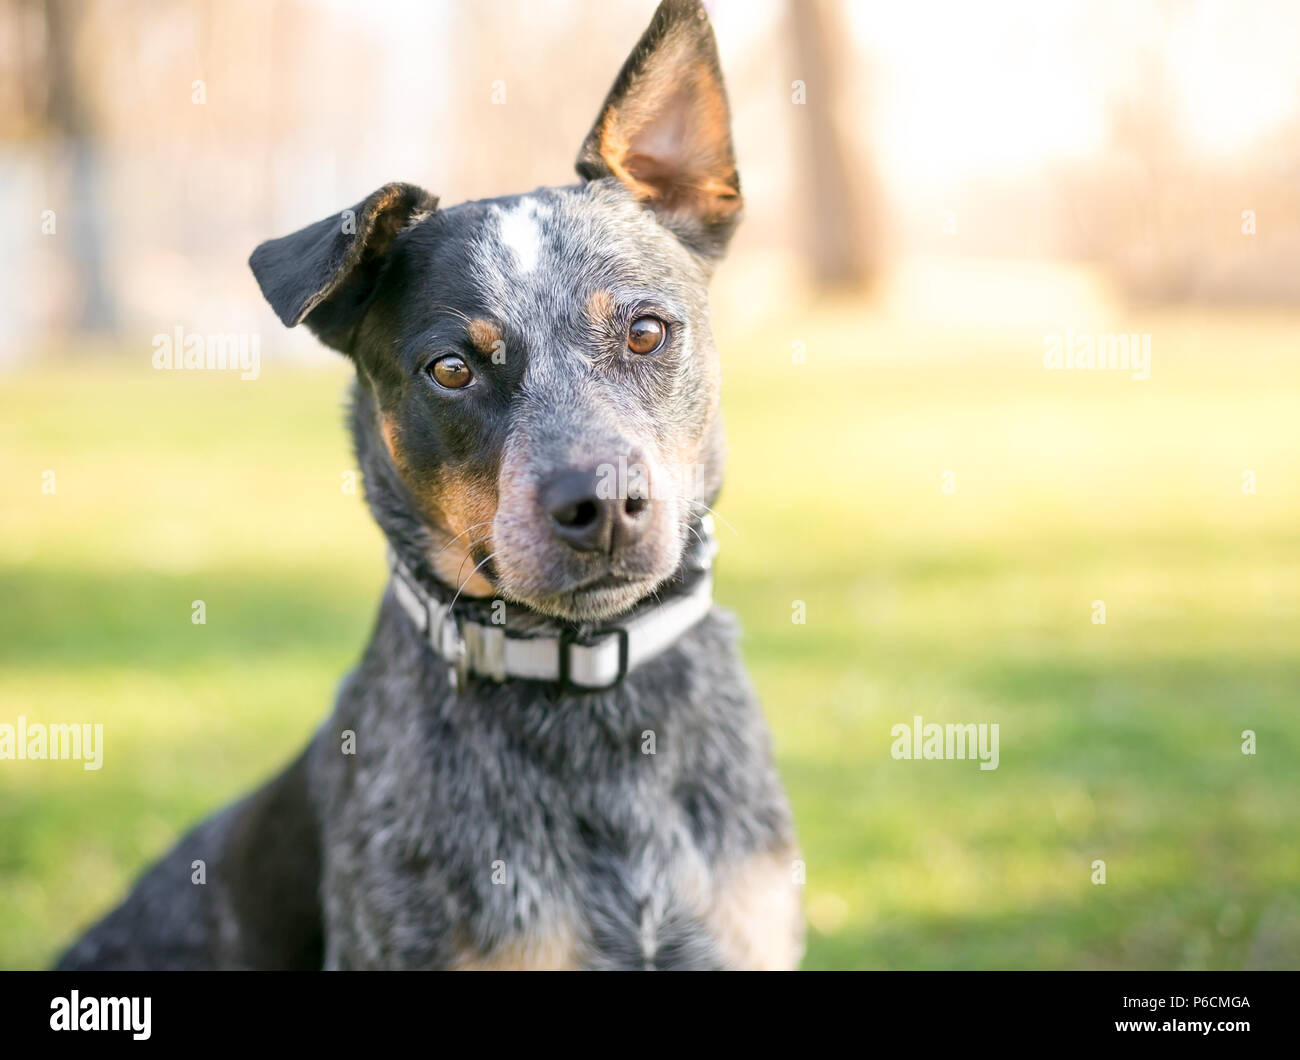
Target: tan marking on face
<point x="467" y="507"/>
<point x="601" y="310"/>
<point x="757" y="915"/>
<point x="458" y="510"/>
<point x="689" y="453"/>
<point x="483" y="335"/>
<point x="389" y="431"/>
<point x="554" y="952"/>
<point x="453" y="564"/>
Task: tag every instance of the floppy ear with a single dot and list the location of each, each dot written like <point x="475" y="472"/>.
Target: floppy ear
<point x="665" y="130"/>
<point x="326" y="273"/>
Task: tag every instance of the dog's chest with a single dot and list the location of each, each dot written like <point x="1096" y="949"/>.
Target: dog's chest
<point x="446" y="853"/>
<point x="508" y="829"/>
<point x="661" y="907"/>
<point x="629" y="889"/>
<point x="545" y="878"/>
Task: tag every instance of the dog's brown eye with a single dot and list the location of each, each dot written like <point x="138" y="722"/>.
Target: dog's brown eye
<point x="451" y="371"/>
<point x="646" y="334"/>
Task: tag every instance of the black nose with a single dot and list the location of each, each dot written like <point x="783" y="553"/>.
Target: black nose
<point x="586" y="521"/>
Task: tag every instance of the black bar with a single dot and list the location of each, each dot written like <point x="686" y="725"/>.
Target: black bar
<point x="872" y="1009"/>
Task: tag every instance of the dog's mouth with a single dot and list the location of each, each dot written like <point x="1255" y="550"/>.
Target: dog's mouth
<point x="597" y="601"/>
<point x="592" y="599"/>
<point x="588" y="597"/>
<point x="609" y="580"/>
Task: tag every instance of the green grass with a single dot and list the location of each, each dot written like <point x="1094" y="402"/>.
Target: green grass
<point x="1119" y="742"/>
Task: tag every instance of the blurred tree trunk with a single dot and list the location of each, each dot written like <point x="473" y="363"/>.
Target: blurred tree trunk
<point x="68" y="118"/>
<point x="841" y="244"/>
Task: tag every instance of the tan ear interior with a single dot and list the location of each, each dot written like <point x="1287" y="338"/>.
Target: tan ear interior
<point x="669" y="142"/>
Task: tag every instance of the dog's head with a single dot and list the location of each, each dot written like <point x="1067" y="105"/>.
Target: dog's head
<point x="539" y="369"/>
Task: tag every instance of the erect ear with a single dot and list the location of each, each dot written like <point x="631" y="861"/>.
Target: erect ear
<point x="326" y="273"/>
<point x="665" y="130"/>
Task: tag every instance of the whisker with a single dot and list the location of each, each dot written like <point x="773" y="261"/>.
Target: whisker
<point x="468" y="553"/>
<point x="723" y="519"/>
<point x="466" y="582"/>
<point x="485" y="522"/>
<point x="454" y="312"/>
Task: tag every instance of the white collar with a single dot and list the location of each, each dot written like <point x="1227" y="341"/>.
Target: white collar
<point x="585" y="661"/>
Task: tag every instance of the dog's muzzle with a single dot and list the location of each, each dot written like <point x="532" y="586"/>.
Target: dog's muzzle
<point x="578" y="658"/>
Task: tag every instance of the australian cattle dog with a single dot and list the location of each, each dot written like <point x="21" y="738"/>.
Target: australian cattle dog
<point x="549" y="755"/>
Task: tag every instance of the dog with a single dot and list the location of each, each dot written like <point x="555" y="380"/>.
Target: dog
<point x="549" y="756"/>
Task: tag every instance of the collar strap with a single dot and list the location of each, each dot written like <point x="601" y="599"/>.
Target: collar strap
<point x="583" y="661"/>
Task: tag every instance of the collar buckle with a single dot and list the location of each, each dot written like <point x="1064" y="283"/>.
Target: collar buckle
<point x="569" y="638"/>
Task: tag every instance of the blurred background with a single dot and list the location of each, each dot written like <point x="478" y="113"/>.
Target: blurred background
<point x="936" y="194"/>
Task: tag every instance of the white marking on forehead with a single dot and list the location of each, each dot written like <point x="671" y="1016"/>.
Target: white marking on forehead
<point x="521" y="235"/>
